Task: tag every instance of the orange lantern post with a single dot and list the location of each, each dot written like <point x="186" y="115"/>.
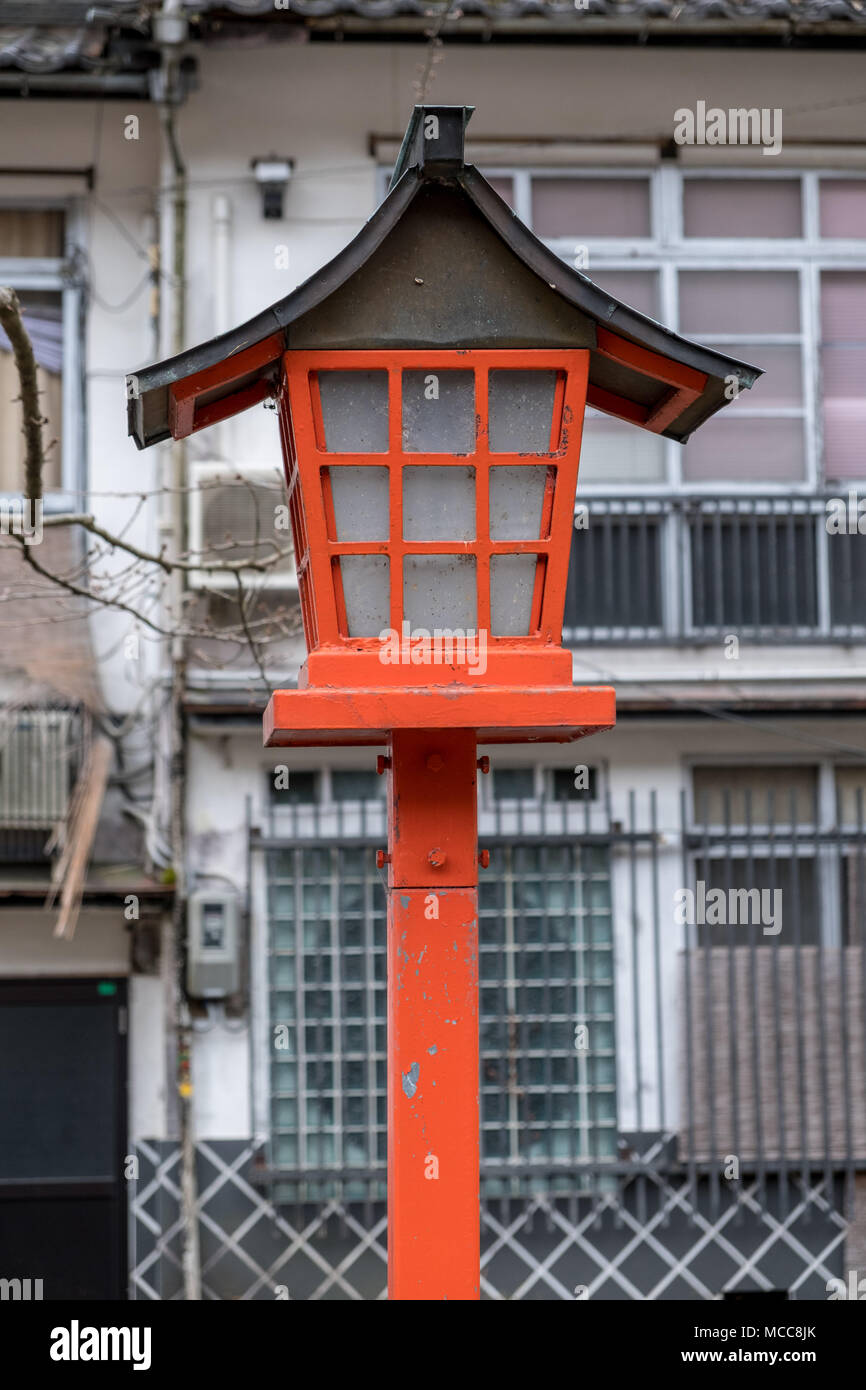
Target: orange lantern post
<point x="431" y="385"/>
<point x="462" y="565"/>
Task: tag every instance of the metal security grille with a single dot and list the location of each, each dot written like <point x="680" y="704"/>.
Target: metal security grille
<point x="546" y="960"/>
<point x="683" y="569"/>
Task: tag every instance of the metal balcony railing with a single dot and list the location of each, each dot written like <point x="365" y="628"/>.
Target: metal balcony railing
<point x="692" y="570"/>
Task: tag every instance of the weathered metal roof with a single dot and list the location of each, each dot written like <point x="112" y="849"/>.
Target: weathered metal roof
<point x="428" y="175"/>
<point x="737" y="10"/>
<point x="48" y="36"/>
<point x="49" y="49"/>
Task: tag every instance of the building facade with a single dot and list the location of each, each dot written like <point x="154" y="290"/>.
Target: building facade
<point x="673" y="966"/>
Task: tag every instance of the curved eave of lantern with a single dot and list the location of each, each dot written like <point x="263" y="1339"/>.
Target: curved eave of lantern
<point x="640" y="371"/>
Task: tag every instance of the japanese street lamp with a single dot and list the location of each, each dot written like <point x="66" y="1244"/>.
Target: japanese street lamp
<point x="431" y="383"/>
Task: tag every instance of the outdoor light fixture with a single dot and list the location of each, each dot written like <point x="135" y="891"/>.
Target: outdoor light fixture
<point x="431" y="384"/>
<point x="272" y="175"/>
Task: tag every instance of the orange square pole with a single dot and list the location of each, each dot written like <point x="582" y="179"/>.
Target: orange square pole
<point x="434" y="1217"/>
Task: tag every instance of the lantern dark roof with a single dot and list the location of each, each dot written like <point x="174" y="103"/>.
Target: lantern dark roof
<point x="444" y="263"/>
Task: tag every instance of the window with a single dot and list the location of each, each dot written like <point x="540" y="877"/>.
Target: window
<point x="546" y="965"/>
<point x="753" y="853"/>
<point x="590" y="207"/>
<point x="42" y="315"/>
<point x="752" y="568"/>
<point x="614" y="576"/>
<point x="300" y="791"/>
<point x="566" y="785"/>
<point x="843" y="371"/>
<point x="513" y="783"/>
<point x="843" y="208"/>
<point x="726" y="258"/>
<point x="356" y="786"/>
<point x="851" y="819"/>
<point x="741" y="208"/>
<point x="759" y="305"/>
<point x="31" y="261"/>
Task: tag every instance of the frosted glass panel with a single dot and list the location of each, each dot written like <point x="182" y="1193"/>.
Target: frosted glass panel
<point x="521" y="411"/>
<point x="739" y="301"/>
<point x="843" y="373"/>
<point x="440" y="591"/>
<point x="355" y="411"/>
<point x="360" y="503"/>
<point x="590" y="207"/>
<point x="438" y="504"/>
<point x="516" y="498"/>
<point x="366" y="591"/>
<point x="639" y="289"/>
<point x="438" y="412"/>
<point x="512" y="580"/>
<point x="613" y="452"/>
<point x="782" y="382"/>
<point x="742" y="208"/>
<point x="843" y="208"/>
<point x="745" y="450"/>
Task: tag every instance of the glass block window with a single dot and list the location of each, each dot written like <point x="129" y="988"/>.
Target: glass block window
<point x="326" y="932"/>
<point x="546" y="966"/>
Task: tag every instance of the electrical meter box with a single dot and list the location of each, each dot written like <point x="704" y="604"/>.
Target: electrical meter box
<point x="213" y="969"/>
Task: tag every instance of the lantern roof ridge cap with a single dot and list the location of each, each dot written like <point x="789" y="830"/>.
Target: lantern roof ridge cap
<point x="434" y="139"/>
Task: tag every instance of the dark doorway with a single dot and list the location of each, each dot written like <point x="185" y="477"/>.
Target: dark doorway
<point x="63" y="1136"/>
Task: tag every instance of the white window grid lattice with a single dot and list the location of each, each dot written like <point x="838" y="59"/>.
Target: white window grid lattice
<point x="667" y="252"/>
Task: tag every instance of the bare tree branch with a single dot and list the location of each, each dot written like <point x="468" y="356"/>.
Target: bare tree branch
<point x="10" y="318"/>
<point x="88" y="523"/>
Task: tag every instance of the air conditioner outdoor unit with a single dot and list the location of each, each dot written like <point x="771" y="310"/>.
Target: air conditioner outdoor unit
<point x="233" y="516"/>
<point x="36" y="756"/>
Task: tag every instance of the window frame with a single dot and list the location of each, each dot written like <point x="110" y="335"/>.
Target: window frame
<point x="667" y="252"/>
<point x="806" y="842"/>
<point x="59" y="275"/>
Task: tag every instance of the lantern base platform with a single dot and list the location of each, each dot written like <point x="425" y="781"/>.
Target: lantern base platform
<point x="499" y="714"/>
